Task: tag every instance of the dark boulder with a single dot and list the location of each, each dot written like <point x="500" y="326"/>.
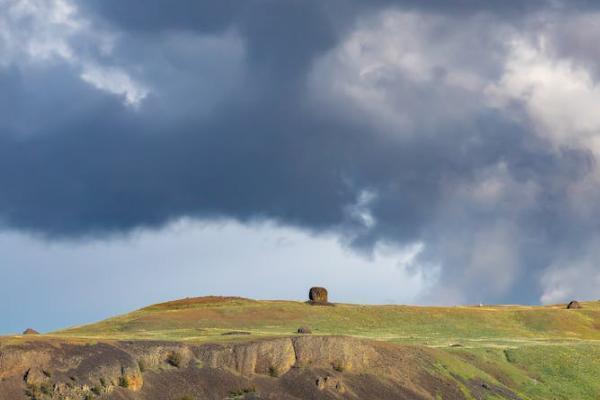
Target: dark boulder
<point x="304" y="330"/>
<point x="573" y="305"/>
<point x="318" y="295"/>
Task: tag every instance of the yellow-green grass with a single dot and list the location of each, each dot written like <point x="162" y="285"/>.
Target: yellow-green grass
<point x="207" y="319"/>
<point x="560" y="372"/>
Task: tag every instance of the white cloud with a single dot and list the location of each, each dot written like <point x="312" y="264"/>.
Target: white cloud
<point x="36" y="29"/>
<point x="174" y="65"/>
<point x="398" y="70"/>
<point x="360" y="212"/>
<point x="559" y="96"/>
<point x="115" y="81"/>
<point x="405" y="70"/>
<point x="45" y="31"/>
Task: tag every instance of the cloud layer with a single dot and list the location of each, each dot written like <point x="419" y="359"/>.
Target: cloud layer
<point x="470" y="130"/>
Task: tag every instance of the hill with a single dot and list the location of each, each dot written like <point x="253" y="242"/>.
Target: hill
<point x="208" y="318"/>
<point x="230" y="347"/>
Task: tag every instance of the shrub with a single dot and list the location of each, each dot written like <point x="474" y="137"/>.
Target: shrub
<point x="338" y="367"/>
<point x="97" y="390"/>
<point x="508" y="356"/>
<point x="142" y="365"/>
<point x="32" y="391"/>
<point x="46" y="388"/>
<point x="236" y="394"/>
<point x="124" y="381"/>
<point x="175" y="359"/>
<point x="304" y="330"/>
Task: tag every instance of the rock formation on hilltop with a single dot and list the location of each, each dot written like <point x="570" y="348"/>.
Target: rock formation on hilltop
<point x="318" y="295"/>
<point x="573" y="305"/>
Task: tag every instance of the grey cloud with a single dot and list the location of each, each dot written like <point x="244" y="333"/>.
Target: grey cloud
<point x="236" y="125"/>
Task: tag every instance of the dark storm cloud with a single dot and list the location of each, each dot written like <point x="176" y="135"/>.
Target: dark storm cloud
<point x="231" y="128"/>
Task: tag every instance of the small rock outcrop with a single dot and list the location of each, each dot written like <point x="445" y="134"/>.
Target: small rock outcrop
<point x="318" y="295"/>
<point x="305" y="330"/>
<point x="574" y="305"/>
<point x="330" y="382"/>
<point x="30" y="331"/>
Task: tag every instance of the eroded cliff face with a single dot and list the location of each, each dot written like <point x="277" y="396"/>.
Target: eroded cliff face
<point x="303" y="367"/>
<point x="41" y="369"/>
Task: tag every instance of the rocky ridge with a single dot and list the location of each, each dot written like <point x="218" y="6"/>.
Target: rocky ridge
<point x="297" y="367"/>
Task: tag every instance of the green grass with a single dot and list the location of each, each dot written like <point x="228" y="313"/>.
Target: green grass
<point x="202" y="320"/>
<point x="562" y="372"/>
<point x="545" y="352"/>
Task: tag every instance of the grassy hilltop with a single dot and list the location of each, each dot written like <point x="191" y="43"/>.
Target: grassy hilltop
<point x="216" y="318"/>
<point x="540" y="352"/>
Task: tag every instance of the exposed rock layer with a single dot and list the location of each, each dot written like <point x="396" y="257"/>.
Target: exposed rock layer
<point x="298" y="367"/>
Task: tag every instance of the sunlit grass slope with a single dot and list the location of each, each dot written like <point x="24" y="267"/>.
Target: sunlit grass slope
<point x="209" y="318"/>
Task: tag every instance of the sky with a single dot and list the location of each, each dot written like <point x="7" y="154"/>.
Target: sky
<point x="439" y="152"/>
